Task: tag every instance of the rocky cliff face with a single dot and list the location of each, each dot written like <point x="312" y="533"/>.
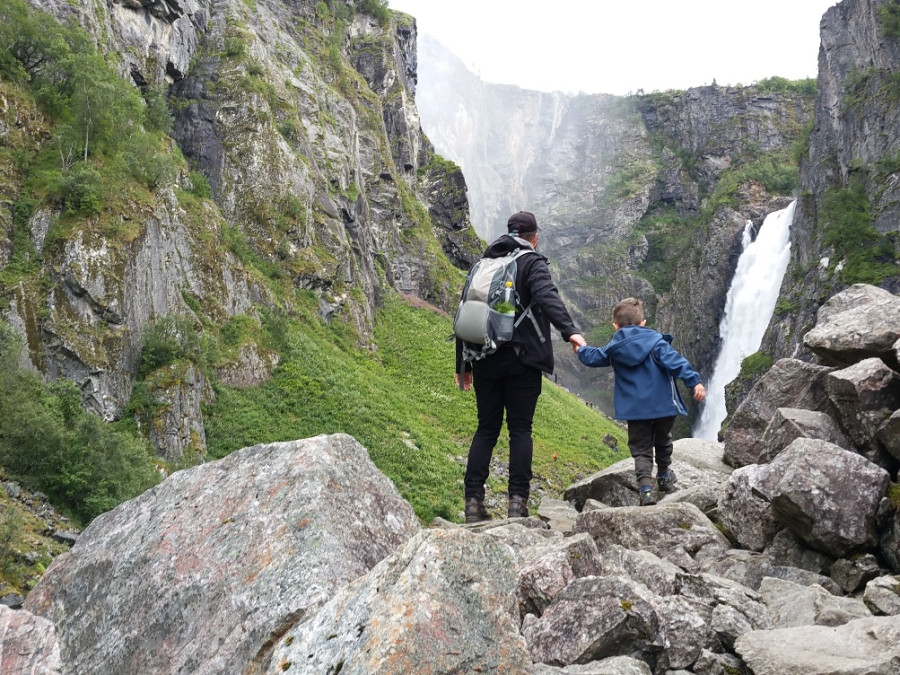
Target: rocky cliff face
<point x="847" y="224"/>
<point x="301" y="118"/>
<point x="644" y="195"/>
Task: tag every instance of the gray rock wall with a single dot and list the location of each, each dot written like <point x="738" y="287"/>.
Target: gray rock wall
<point x="853" y="142"/>
<point x="321" y="177"/>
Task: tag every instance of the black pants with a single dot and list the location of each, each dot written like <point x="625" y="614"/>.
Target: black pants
<point x="643" y="437"/>
<point x="502" y="383"/>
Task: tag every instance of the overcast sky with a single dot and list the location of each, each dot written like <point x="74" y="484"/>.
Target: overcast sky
<point x="621" y="46"/>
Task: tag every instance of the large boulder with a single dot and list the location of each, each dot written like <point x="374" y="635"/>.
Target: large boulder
<point x="749" y="568"/>
<point x="676" y="532"/>
<point x="882" y="595"/>
<point x="889" y="434"/>
<point x="724" y="603"/>
<point x="614" y="665"/>
<point x="868" y="645"/>
<point x="789" y="424"/>
<point x="544" y="571"/>
<point x="442" y="604"/>
<point x="889" y="544"/>
<point x="826" y="495"/>
<point x="852" y="573"/>
<point x="789" y="383"/>
<point x="858" y="323"/>
<point x="198" y="573"/>
<point x="659" y="575"/>
<point x="591" y="620"/>
<point x="865" y="396"/>
<point x="793" y="604"/>
<point x="28" y="643"/>
<point x="747" y="516"/>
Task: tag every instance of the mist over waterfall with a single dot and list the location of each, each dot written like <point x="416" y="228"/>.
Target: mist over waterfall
<point x="748" y="308"/>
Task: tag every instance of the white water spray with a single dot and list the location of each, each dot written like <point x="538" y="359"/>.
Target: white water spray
<point x="748" y="308"/>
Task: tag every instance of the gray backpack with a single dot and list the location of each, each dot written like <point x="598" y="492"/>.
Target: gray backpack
<point x="485" y="318"/>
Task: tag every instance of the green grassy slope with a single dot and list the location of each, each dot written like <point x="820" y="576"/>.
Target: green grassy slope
<point x="401" y="403"/>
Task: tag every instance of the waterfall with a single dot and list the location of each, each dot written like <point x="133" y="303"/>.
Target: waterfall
<point x="748" y="308"/>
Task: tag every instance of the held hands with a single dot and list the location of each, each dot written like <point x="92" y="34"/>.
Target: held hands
<point x="577" y="340"/>
<point x="699" y="393"/>
<point x="467" y="381"/>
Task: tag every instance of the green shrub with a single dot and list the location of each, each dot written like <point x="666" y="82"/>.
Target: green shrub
<point x="777" y="175"/>
<point x="11" y="524"/>
<point x="147" y="162"/>
<point x="782" y="85"/>
<point x="80" y="190"/>
<point x="170" y="339"/>
<point x="755" y="365"/>
<point x="377" y="8"/>
<point x="845" y="223"/>
<point x="235" y="46"/>
<point x="200" y="186"/>
<point x="889" y="14"/>
<point x="50" y="443"/>
<point x="158" y="115"/>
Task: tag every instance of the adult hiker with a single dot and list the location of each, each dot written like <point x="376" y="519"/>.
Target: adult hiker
<point x="510" y="378"/>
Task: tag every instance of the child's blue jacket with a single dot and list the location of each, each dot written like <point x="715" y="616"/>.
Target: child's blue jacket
<point x="646" y="366"/>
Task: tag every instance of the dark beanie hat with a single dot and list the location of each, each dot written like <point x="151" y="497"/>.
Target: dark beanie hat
<point x="522" y="222"/>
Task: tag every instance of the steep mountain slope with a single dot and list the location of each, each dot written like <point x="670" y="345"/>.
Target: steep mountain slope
<point x="300" y="167"/>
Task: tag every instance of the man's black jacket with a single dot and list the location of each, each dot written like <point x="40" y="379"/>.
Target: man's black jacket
<point x="533" y="282"/>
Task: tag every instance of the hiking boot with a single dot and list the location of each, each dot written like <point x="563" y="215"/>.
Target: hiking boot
<point x="647" y="498"/>
<point x="475" y="510"/>
<point x="666" y="481"/>
<point x="518" y="507"/>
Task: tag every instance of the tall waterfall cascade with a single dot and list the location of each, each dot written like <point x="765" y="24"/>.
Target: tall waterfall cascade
<point x="748" y="308"/>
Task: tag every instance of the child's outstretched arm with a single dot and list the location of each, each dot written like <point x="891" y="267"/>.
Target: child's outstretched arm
<point x="677" y="366"/>
<point x="593" y="356"/>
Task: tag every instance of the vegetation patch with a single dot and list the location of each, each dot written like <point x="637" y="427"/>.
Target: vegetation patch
<point x="889" y="15"/>
<point x="50" y="443"/>
<point x="845" y="223"/>
<point x="755" y="365"/>
<point x="782" y="85"/>
<point x="669" y="238"/>
<point x="402" y="406"/>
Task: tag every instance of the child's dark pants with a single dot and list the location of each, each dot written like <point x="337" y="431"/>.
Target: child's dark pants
<point x="643" y="437"/>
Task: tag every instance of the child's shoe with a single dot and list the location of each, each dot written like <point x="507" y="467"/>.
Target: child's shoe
<point x="647" y="498"/>
<point x="666" y="481"/>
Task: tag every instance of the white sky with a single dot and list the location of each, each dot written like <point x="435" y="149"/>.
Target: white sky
<point x="620" y="46"/>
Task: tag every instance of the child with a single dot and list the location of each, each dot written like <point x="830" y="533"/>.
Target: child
<point x="645" y="394"/>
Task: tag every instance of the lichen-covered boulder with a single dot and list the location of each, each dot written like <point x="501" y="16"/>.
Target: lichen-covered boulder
<point x="868" y="645"/>
<point x="445" y="603"/>
<point x="865" y="396"/>
<point x="789" y="424"/>
<point x="28" y="643"/>
<point x="196" y="574"/>
<point x="882" y="595"/>
<point x="826" y="495"/>
<point x="676" y="532"/>
<point x="745" y="514"/>
<point x="792" y="604"/>
<point x="788" y="383"/>
<point x="858" y="323"/>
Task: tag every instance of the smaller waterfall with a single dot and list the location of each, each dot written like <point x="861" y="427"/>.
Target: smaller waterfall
<point x="748" y="309"/>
